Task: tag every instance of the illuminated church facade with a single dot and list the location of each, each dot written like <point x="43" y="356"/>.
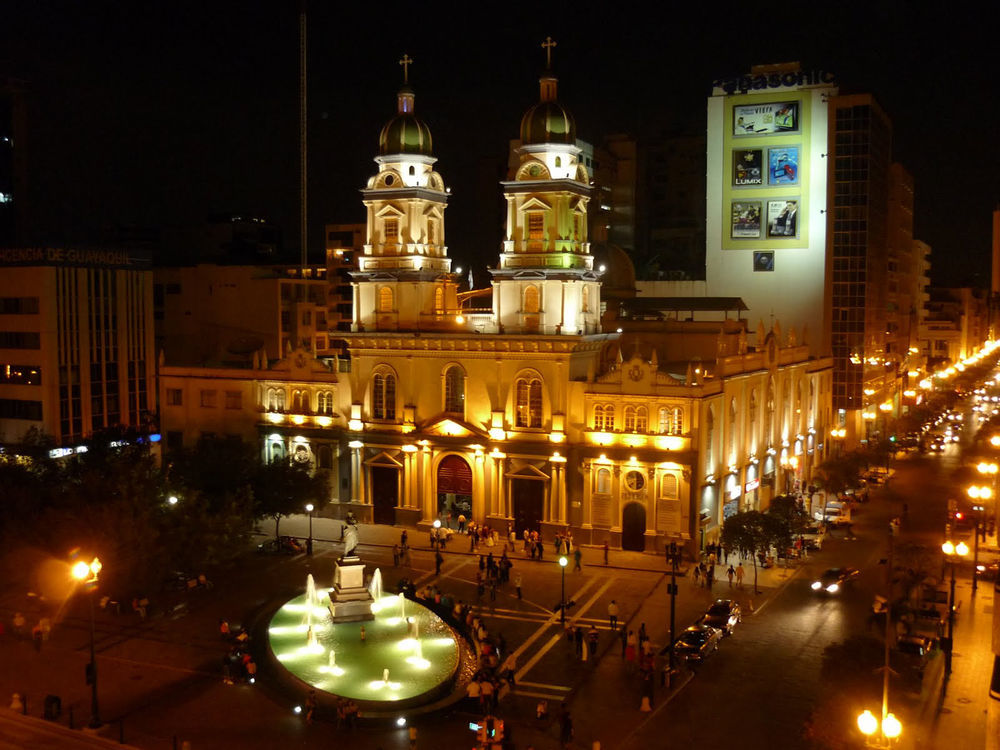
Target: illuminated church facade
<point x="527" y="412"/>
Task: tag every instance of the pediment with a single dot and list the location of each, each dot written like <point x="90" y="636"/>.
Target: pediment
<point x="301" y="365"/>
<point x="450" y="426"/>
<point x="388" y="210"/>
<point x="534" y="203"/>
<point x="384" y="459"/>
<point x="528" y="471"/>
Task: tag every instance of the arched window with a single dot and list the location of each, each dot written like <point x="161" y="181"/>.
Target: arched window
<point x="413" y="170"/>
<point x="585" y="299"/>
<point x="300" y="402"/>
<point x="439" y="300"/>
<point x="531" y="299"/>
<point x="454" y="390"/>
<point x="677" y="423"/>
<point x="668" y="486"/>
<point x="629" y="419"/>
<point x="528" y="402"/>
<point x="599" y="417"/>
<point x="558" y="161"/>
<point x="324" y="402"/>
<point x="602" y="482"/>
<point x="276" y="399"/>
<point x="769" y="413"/>
<point x="384" y="395"/>
<point x="609" y="417"/>
<point x="641" y="419"/>
<point x="752" y="409"/>
<point x="663" y="419"/>
<point x="385" y="299"/>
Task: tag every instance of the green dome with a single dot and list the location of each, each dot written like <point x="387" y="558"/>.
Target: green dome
<point x="548" y="122"/>
<point x="405" y="133"/>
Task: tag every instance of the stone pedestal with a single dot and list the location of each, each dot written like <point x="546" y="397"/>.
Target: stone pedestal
<point x="350" y="600"/>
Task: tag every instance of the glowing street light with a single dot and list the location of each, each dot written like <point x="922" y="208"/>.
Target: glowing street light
<point x="87" y="573"/>
<point x="309" y="542"/>
<point x="952" y="553"/>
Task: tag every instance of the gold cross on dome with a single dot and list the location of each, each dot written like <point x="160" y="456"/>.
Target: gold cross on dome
<point x="547" y="45"/>
<point x="406" y="62"/>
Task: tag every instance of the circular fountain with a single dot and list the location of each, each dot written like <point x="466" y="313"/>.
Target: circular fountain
<point x="390" y="651"/>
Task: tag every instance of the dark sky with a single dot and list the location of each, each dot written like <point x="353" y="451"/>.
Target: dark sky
<point x="158" y="114"/>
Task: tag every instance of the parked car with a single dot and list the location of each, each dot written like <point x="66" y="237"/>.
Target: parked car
<point x="724" y="615"/>
<point x="911" y="656"/>
<point x="697" y="642"/>
<point x="285" y="545"/>
<point x="833" y="580"/>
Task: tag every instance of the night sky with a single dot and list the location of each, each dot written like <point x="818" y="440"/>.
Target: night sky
<point x="158" y="114"/>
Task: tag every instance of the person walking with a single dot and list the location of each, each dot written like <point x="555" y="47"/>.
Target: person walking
<point x="577" y="558"/>
<point x="624" y="639"/>
<point x="395" y="555"/>
<point x="730" y="573"/>
<point x="517" y="585"/>
<point x="404" y="540"/>
<point x="697" y="574"/>
<point x="565" y="728"/>
<point x="739" y="575"/>
<point x="310" y="706"/>
<point x="613" y="615"/>
<point x="438" y="559"/>
<point x="605" y="552"/>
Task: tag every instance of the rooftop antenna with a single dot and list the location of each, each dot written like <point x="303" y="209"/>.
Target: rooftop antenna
<point x="304" y="210"/>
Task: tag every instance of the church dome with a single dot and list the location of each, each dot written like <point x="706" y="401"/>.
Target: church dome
<point x="548" y="121"/>
<point x="405" y="133"/>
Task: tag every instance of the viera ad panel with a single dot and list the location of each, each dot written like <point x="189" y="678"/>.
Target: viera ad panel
<point x="763" y="119"/>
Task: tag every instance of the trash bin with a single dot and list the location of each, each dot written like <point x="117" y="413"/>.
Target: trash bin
<point x="53" y="707"/>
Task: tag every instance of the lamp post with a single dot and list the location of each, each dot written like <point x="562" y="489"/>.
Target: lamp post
<point x="890" y="726"/>
<point x="563" y="562"/>
<point x="309" y="542"/>
<point x="952" y="553"/>
<point x="673" y="557"/>
<point x="86" y="573"/>
<point x="978" y="493"/>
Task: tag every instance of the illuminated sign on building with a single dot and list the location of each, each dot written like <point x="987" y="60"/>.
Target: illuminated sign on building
<point x="762" y="119"/>
<point x="745" y="83"/>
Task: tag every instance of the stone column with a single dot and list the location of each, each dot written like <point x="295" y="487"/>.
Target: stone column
<point x="356" y="469"/>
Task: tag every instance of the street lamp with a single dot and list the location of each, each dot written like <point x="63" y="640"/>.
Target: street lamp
<point x="86" y="573"/>
<point x="673" y="557"/>
<point x="869" y="725"/>
<point x="563" y="562"/>
<point x="309" y="543"/>
<point x="978" y="493"/>
<point x="952" y="552"/>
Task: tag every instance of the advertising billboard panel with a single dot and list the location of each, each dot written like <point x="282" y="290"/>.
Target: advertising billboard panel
<point x="782" y="217"/>
<point x="762" y="119"/>
<point x="783" y="165"/>
<point x="746" y="219"/>
<point x="748" y="167"/>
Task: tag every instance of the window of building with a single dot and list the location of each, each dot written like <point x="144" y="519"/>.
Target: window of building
<point x="536" y="225"/>
<point x="384" y="395"/>
<point x="20" y="375"/>
<point x="602" y="482"/>
<point x="528" y="406"/>
<point x="531" y="302"/>
<point x="385" y="299"/>
<point x="209" y="398"/>
<point x="275" y="399"/>
<point x="454" y="390"/>
<point x="604" y="417"/>
<point x="392" y="230"/>
<point x="709" y="438"/>
<point x="14" y="408"/>
<point x="629" y="419"/>
<point x="641" y="419"/>
<point x="438" y="300"/>
<point x="324" y="402"/>
<point x="306" y="317"/>
<point x="175" y="397"/>
<point x="300" y="402"/>
<point x="18" y="305"/>
<point x="20" y="340"/>
<point x="175" y="441"/>
<point x="668" y="486"/>
<point x="234" y="400"/>
<point x="732" y="429"/>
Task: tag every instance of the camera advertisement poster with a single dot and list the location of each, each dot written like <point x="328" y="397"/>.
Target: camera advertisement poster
<point x="748" y="167"/>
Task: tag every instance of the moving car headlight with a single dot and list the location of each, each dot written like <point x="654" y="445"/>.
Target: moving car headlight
<point x="816" y="586"/>
<point x="833" y="588"/>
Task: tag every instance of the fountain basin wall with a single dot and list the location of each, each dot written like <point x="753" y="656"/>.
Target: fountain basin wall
<point x="420" y="670"/>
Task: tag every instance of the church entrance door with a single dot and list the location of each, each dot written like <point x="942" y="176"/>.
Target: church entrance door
<point x="634" y="527"/>
<point x="529" y="504"/>
<point x="385" y="494"/>
<point x="454" y="490"/>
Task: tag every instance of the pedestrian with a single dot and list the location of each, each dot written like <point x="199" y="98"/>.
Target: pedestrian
<point x="438" y="559"/>
<point x="605" y="552"/>
<point x="578" y="640"/>
<point x="613" y="615"/>
<point x="630" y="651"/>
<point x="224" y="630"/>
<point x="710" y="576"/>
<point x="395" y="555"/>
<point x="310" y="706"/>
<point x="739" y="575"/>
<point x="565" y="727"/>
<point x="697" y="573"/>
<point x="413" y="737"/>
<point x="624" y="639"/>
<point x="730" y="573"/>
<point x="517" y="585"/>
<point x="577" y="557"/>
<point x="403" y="540"/>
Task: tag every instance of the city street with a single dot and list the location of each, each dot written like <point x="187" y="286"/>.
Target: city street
<point x="160" y="678"/>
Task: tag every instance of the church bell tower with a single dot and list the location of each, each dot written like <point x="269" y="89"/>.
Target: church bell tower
<point x="404" y="281"/>
<point x="545" y="282"/>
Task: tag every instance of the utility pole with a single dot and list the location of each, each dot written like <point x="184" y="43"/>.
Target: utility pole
<point x="673" y="556"/>
<point x="302" y="129"/>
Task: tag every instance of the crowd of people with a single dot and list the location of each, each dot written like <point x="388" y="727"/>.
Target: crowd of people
<point x="238" y="665"/>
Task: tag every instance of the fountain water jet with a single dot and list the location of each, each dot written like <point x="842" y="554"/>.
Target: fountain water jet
<point x="312" y="600"/>
<point x="385" y="676"/>
<point x="375" y="585"/>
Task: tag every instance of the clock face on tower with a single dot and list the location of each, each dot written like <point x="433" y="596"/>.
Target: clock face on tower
<point x="635" y="480"/>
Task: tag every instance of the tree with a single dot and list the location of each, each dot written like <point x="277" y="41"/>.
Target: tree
<point x="752" y="533"/>
<point x="214" y="469"/>
<point x="791" y="510"/>
<point x="282" y="488"/>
